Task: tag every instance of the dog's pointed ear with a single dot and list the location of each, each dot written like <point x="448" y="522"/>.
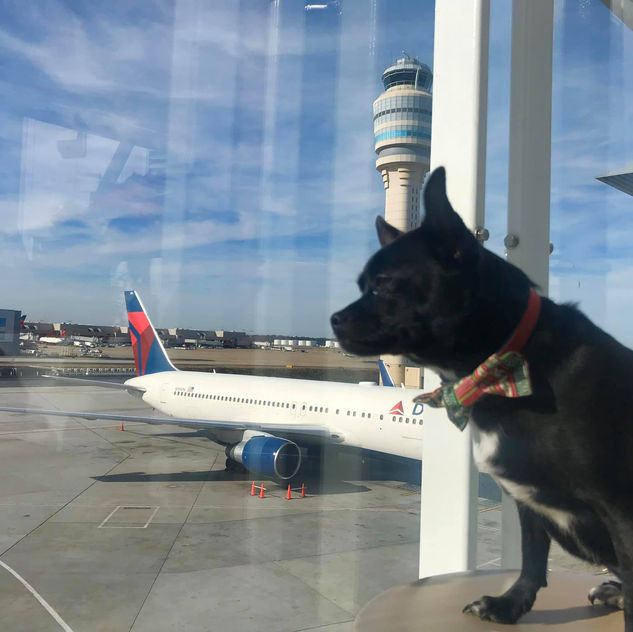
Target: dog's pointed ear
<point x="438" y="210"/>
<point x="386" y="232"/>
<point x="453" y="237"/>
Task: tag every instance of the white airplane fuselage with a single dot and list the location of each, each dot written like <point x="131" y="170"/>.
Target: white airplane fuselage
<point x="361" y="416"/>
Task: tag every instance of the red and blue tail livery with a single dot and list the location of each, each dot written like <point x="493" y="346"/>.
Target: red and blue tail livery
<point x="149" y="353"/>
<point x="387" y="380"/>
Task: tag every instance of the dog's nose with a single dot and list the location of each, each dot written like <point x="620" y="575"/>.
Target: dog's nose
<point x="336" y="320"/>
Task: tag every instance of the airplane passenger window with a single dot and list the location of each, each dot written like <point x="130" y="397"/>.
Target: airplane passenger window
<point x="362" y="415"/>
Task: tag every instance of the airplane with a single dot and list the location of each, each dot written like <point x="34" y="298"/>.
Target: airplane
<point x="266" y="424"/>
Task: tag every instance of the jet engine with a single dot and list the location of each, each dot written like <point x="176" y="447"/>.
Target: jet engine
<point x="268" y="456"/>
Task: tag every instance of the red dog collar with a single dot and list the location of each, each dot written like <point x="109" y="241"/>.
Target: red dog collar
<point x="526" y="324"/>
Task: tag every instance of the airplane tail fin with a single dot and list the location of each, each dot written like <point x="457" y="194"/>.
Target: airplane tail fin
<point x="149" y="353"/>
<point x="387" y="380"/>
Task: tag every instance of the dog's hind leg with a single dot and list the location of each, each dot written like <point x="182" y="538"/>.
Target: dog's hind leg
<point x="609" y="593"/>
<point x="618" y="516"/>
<point x="519" y="598"/>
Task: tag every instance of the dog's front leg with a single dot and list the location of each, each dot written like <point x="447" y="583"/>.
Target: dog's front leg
<point x="519" y="598"/>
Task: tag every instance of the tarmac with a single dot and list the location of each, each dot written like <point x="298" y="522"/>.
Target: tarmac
<point x="143" y="530"/>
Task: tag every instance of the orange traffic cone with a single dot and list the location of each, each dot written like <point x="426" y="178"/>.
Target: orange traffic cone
<point x="262" y="491"/>
<point x="289" y="493"/>
<point x="253" y="488"/>
<point x="303" y="490"/>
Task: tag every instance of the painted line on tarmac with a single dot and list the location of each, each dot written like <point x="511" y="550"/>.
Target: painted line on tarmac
<point x="104" y="524"/>
<point x="62" y="624"/>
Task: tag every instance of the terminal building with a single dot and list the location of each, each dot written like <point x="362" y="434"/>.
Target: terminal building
<point x="10" y="323"/>
<point x="402" y="137"/>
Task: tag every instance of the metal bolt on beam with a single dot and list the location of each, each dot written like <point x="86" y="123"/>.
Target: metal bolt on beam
<point x="511" y="241"/>
<point x="482" y="234"/>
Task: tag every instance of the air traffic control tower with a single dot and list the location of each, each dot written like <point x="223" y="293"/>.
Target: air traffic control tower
<point x="402" y="136"/>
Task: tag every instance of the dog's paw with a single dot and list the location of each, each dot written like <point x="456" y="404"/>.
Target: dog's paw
<point x="609" y="593"/>
<point x="499" y="609"/>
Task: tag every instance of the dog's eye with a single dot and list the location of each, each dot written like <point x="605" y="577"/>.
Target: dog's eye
<point x="381" y="286"/>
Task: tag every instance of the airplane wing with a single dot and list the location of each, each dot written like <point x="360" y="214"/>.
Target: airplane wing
<point x="102" y="383"/>
<point x="316" y="432"/>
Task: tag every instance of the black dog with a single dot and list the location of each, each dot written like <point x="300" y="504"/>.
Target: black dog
<point x="564" y="452"/>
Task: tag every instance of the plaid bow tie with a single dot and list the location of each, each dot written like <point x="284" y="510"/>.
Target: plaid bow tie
<point x="504" y="374"/>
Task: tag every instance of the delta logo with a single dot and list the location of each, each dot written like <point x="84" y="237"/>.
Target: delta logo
<point x="398" y="409"/>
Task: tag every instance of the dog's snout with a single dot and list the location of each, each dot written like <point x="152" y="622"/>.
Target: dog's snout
<point x="337" y="320"/>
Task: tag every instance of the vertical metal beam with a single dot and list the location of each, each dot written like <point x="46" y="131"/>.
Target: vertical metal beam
<point x="448" y="525"/>
<point x="529" y="176"/>
<point x="531" y="137"/>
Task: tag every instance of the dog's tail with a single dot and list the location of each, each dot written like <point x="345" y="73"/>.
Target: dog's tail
<point x="387" y="380"/>
<point x="149" y="353"/>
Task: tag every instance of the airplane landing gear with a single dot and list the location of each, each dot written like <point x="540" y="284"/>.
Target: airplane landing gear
<point x="233" y="466"/>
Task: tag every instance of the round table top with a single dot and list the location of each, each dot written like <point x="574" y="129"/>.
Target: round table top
<point x="435" y="604"/>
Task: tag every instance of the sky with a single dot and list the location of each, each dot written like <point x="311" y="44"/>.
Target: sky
<point x="218" y="157"/>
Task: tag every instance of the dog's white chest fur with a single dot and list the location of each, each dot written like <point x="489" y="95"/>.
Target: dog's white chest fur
<point x="485" y="448"/>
